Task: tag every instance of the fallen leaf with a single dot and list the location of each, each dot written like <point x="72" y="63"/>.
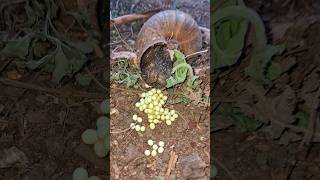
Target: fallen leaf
<point x="14" y="75"/>
<point x="12" y="156"/>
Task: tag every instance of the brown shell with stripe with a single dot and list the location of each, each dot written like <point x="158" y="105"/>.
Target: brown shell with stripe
<point x="170" y="29"/>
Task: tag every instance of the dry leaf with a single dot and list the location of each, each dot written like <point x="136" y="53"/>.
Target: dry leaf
<point x="14" y="75"/>
<point x="10" y="157"/>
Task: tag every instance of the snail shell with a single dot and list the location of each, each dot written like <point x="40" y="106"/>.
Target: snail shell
<point x="170" y="29"/>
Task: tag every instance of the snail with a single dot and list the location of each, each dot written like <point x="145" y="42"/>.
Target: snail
<point x="166" y="30"/>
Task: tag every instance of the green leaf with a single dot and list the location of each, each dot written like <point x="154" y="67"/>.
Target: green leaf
<point x="193" y="82"/>
<point x="260" y="60"/>
<point x="61" y="65"/>
<point x="17" y="47"/>
<point x="180" y="58"/>
<point x="183" y="99"/>
<point x="274" y="71"/>
<point x="83" y="79"/>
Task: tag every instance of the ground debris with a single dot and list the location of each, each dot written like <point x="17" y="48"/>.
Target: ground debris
<point x="12" y="156"/>
<point x="193" y="167"/>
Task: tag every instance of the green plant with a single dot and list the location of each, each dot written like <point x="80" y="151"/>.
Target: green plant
<point x="180" y="71"/>
<point x="121" y="75"/>
<point x="230" y="25"/>
<point x="41" y="46"/>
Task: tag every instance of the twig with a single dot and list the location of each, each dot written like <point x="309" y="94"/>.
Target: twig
<point x="64" y="93"/>
<point x="128" y="90"/>
<point x="172" y="161"/>
<point x="196" y="53"/>
<point x="121" y="37"/>
<point x="120" y="131"/>
<point x="124" y="55"/>
<point x="131" y="18"/>
<point x="6" y="64"/>
<point x="224" y="168"/>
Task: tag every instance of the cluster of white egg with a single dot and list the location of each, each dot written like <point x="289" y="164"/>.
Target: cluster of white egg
<point x="98" y="137"/>
<point x="155" y="148"/>
<point x="152" y="103"/>
<point x="136" y="125"/>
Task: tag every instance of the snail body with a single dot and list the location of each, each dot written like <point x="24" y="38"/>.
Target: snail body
<point x="170" y="29"/>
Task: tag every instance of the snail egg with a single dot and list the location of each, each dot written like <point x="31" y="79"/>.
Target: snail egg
<point x="105" y="107"/>
<point x="175" y="115"/>
<point x="80" y="174"/>
<point x="142" y="128"/>
<point x="163" y="117"/>
<point x="158" y="116"/>
<point x="167" y="117"/>
<point x="139" y="119"/>
<point x="171" y="118"/>
<point x="172" y="112"/>
<point x="144" y="106"/>
<point x="152" y="126"/>
<point x="102" y="121"/>
<point x="147" y="152"/>
<point x="143" y="95"/>
<point x="102" y="132"/>
<point x="100" y="149"/>
<point x="155" y="103"/>
<point x="150" y="116"/>
<point x="156" y="121"/>
<point x="161" y="95"/>
<point x="89" y="136"/>
<point x="165" y="98"/>
<point x="160" y="150"/>
<point x="157" y="108"/>
<point x="150" y="142"/>
<point x="168" y="122"/>
<point x="153" y="153"/>
<point x="132" y="125"/>
<point x="153" y="90"/>
<point x="137" y="127"/>
<point x="140" y="108"/>
<point x="135" y="117"/>
<point x="162" y="102"/>
<point x="158" y="91"/>
<point x="154" y="98"/>
<point x="155" y="146"/>
<point x="150" y="106"/>
<point x="161" y="110"/>
<point x="161" y="143"/>
<point x="138" y="104"/>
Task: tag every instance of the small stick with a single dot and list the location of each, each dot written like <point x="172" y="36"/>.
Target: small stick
<point x="196" y="53"/>
<point x="126" y="19"/>
<point x="120" y="131"/>
<point x="172" y="161"/>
